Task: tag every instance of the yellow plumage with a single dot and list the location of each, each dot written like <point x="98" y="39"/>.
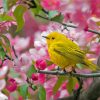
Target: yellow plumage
<point x="65" y="53"/>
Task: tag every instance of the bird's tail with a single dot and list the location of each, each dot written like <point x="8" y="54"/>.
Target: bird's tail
<point x="90" y="65"/>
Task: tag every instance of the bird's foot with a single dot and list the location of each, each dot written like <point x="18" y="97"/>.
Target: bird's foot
<point x="69" y="69"/>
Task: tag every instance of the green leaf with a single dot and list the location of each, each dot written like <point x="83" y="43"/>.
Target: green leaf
<point x="6" y="40"/>
<point x="52" y="14"/>
<point x="31" y="71"/>
<point x="23" y="90"/>
<point x="18" y="13"/>
<point x="59" y="82"/>
<point x="5" y="5"/>
<point x="2" y="53"/>
<point x="7" y="44"/>
<point x="42" y="93"/>
<point x="71" y="84"/>
<point x="11" y="3"/>
<point x="59" y="18"/>
<point x="37" y="10"/>
<point x="5" y="17"/>
<point x="34" y="87"/>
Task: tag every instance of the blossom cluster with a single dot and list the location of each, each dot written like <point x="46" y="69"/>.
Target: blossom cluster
<point x="28" y="47"/>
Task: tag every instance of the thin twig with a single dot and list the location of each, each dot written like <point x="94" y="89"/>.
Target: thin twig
<point x="43" y="17"/>
<point x="78" y="91"/>
<point x="92" y="93"/>
<point x="14" y="52"/>
<point x="2" y="63"/>
<point x="28" y="81"/>
<point x="1" y="7"/>
<point x="7" y="57"/>
<point x="46" y="12"/>
<point x="72" y="74"/>
<point x="70" y="25"/>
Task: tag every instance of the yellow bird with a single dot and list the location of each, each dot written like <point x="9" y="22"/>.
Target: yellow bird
<point x="65" y="53"/>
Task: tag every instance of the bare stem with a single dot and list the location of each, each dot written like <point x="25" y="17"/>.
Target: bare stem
<point x="70" y="25"/>
<point x="78" y="91"/>
<point x="71" y="74"/>
<point x="14" y="52"/>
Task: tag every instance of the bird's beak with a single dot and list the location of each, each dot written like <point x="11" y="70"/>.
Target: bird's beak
<point x="45" y="37"/>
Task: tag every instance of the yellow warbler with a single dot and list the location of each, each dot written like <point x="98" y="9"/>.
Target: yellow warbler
<point x="65" y="53"/>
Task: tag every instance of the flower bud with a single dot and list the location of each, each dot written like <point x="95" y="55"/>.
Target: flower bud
<point x="12" y="85"/>
<point x="34" y="77"/>
<point x="41" y="64"/>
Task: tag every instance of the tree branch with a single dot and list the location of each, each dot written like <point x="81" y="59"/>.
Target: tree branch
<point x="92" y="93"/>
<point x="70" y="74"/>
<point x="76" y="93"/>
<point x="70" y="25"/>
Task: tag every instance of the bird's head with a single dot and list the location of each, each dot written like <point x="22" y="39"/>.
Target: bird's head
<point x="54" y="37"/>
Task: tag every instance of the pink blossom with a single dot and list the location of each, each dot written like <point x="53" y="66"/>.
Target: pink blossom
<point x="24" y="59"/>
<point x="21" y="43"/>
<point x="22" y="63"/>
<point x="3" y="71"/>
<point x="89" y="36"/>
<point x="92" y="24"/>
<point x="96" y="48"/>
<point x="41" y="64"/>
<point x="50" y="4"/>
<point x="20" y="98"/>
<point x="95" y="7"/>
<point x="12" y="85"/>
<point x="39" y="53"/>
<point x="41" y="78"/>
<point x="30" y="25"/>
<point x="1" y="3"/>
<point x="80" y="18"/>
<point x="3" y="96"/>
<point x="2" y="84"/>
<point x="51" y="67"/>
<point x="49" y="87"/>
<point x="34" y="77"/>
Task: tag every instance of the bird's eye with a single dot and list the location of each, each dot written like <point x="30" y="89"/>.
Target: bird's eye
<point x="52" y="38"/>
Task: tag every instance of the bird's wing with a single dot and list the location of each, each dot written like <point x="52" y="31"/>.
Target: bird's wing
<point x="68" y="52"/>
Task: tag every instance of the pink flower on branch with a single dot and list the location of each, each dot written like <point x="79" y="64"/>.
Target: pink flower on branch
<point x="3" y="71"/>
<point x="50" y="4"/>
<point x="41" y="64"/>
<point x="95" y="7"/>
<point x="12" y="85"/>
<point x="34" y="77"/>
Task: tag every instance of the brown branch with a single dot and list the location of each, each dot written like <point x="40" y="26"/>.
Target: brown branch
<point x="69" y="25"/>
<point x="70" y="74"/>
<point x="77" y="92"/>
<point x="14" y="52"/>
<point x="92" y="93"/>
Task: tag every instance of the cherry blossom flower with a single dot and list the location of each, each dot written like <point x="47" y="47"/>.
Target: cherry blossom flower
<point x="3" y="96"/>
<point x="34" y="77"/>
<point x="2" y="84"/>
<point x="50" y="4"/>
<point x="3" y="71"/>
<point x="95" y="7"/>
<point x="12" y="85"/>
<point x="41" y="64"/>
